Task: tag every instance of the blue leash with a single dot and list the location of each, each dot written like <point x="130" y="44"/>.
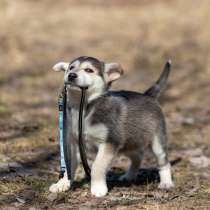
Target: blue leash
<point x="61" y="128"/>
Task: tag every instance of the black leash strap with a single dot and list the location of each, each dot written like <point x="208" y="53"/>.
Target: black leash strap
<point x="80" y="133"/>
<point x="66" y="141"/>
<point x="68" y="146"/>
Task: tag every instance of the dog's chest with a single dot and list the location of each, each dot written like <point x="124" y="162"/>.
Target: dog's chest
<point x="96" y="132"/>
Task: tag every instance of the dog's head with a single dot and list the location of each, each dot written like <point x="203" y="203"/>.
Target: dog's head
<point x="90" y="73"/>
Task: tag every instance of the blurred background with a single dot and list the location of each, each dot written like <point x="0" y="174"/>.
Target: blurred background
<point x="139" y="34"/>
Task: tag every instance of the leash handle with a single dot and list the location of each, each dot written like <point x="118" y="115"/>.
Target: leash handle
<point x="80" y="133"/>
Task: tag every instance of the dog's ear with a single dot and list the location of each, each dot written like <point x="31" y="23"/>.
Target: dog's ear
<point x="113" y="71"/>
<point x="61" y="66"/>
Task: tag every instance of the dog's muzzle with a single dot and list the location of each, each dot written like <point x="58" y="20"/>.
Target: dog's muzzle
<point x="72" y="77"/>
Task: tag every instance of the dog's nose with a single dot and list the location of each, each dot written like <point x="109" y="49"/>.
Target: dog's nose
<point x="72" y="76"/>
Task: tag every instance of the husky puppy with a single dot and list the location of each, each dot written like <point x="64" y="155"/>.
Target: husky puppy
<point x="119" y="122"/>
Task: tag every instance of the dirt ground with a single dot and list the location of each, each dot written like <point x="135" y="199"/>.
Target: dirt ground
<point x="141" y="35"/>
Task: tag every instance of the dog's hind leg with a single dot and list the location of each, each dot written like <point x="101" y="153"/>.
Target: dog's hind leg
<point x="160" y="151"/>
<point x="132" y="172"/>
<point x="100" y="166"/>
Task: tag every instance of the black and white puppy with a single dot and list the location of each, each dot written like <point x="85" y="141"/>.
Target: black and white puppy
<point x="119" y="122"/>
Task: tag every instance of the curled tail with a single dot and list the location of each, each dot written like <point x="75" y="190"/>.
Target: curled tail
<point x="156" y="90"/>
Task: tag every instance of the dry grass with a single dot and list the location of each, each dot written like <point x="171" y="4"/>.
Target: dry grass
<point x="141" y="35"/>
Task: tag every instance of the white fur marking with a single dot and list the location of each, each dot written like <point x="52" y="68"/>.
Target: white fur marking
<point x="158" y="149"/>
<point x="96" y="89"/>
<point x="156" y="146"/>
<point x="84" y="79"/>
<point x="62" y="185"/>
<point x="99" y="169"/>
<point x="75" y="63"/>
<point x="61" y="66"/>
<point x="99" y="189"/>
<point x="93" y="96"/>
<point x="165" y="177"/>
<point x="87" y="64"/>
<point x="98" y="131"/>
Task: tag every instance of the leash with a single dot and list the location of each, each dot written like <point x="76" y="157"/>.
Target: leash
<point x="61" y="102"/>
<point x="65" y="144"/>
<point x="80" y="133"/>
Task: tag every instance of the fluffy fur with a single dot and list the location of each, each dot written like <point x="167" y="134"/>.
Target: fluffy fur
<point x="116" y="121"/>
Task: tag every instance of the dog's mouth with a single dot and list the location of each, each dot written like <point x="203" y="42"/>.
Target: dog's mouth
<point x="69" y="83"/>
<point x="72" y="84"/>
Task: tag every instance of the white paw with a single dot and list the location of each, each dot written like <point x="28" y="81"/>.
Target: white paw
<point x="61" y="186"/>
<point x="166" y="185"/>
<point x="99" y="189"/>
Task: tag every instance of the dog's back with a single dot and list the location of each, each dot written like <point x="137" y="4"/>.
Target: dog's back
<point x="132" y="118"/>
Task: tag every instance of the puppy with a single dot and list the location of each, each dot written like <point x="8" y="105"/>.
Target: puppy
<point x="119" y="122"/>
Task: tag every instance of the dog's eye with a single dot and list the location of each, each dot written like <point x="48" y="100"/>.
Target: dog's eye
<point x="89" y="70"/>
<point x="71" y="67"/>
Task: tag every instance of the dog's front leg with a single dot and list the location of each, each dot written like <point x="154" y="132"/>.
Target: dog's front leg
<point x="62" y="185"/>
<point x="99" y="168"/>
